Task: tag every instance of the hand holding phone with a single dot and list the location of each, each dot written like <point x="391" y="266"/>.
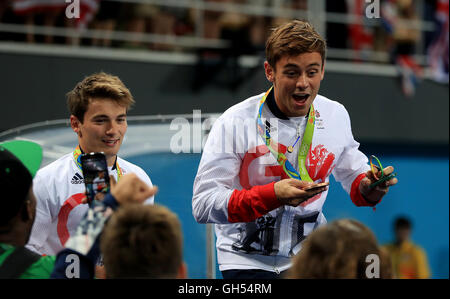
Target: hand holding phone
<point x="316" y="186"/>
<point x="96" y="177"/>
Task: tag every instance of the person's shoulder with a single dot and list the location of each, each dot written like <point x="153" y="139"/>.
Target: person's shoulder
<point x="417" y="248"/>
<point x="55" y="168"/>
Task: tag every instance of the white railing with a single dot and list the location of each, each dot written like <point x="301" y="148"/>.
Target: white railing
<point x="316" y="14"/>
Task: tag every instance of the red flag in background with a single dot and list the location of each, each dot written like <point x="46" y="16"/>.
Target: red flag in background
<point x="88" y="9"/>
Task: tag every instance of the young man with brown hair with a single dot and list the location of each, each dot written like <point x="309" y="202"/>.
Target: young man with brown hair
<point x="143" y="242"/>
<point x="254" y="181"/>
<point x="98" y="106"/>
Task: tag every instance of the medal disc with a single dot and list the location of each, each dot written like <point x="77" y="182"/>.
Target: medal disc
<point x="290" y="149"/>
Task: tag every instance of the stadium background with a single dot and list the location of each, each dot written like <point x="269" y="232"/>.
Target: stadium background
<point x="409" y="132"/>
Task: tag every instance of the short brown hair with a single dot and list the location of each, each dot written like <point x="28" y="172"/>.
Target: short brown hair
<point x="294" y="38"/>
<point x="97" y="86"/>
<point x="339" y="250"/>
<point x="142" y="241"/>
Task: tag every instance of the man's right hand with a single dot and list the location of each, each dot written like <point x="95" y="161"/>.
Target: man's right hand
<point x="290" y="191"/>
<point x="131" y="189"/>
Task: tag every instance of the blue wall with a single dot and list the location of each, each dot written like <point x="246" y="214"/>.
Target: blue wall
<point x="421" y="194"/>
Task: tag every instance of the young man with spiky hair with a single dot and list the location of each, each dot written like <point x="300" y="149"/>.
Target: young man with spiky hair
<point x="98" y="106"/>
<point x="264" y="194"/>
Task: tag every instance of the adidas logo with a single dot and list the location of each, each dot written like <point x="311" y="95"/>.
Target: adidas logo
<point x="77" y="179"/>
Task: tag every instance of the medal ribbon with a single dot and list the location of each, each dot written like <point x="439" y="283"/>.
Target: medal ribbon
<point x="77" y="158"/>
<point x="264" y="131"/>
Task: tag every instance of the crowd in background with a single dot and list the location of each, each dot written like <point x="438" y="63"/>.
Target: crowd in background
<point x="249" y="30"/>
<point x="395" y="35"/>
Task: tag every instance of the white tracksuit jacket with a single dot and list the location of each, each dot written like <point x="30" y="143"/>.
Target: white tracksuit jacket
<point x="59" y="188"/>
<point x="234" y="183"/>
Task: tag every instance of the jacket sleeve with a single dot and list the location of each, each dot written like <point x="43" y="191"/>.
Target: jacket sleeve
<point x="353" y="164"/>
<point x="46" y="210"/>
<point x="215" y="200"/>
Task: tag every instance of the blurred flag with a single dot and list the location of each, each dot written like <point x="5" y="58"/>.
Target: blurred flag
<point x="393" y="14"/>
<point x="438" y="54"/>
<point x="410" y="73"/>
<point x="88" y="8"/>
<point x="389" y="16"/>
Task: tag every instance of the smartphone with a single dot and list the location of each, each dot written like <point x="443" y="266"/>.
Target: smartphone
<point x="316" y="186"/>
<point x="96" y="177"/>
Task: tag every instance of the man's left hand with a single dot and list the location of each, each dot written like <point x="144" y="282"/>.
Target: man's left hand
<point x="375" y="194"/>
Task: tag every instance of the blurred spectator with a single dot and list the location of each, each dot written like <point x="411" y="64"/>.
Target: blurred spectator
<point x="408" y="259"/>
<point x="3" y="6"/>
<point x="289" y="4"/>
<point x="211" y="18"/>
<point x="258" y="32"/>
<point x="137" y="20"/>
<point x="143" y="242"/>
<point x="19" y="161"/>
<point x="438" y="54"/>
<point x="49" y="12"/>
<point x="30" y="10"/>
<point x="167" y="21"/>
<point x="106" y="20"/>
<point x="337" y="33"/>
<point x="244" y="37"/>
<point x="339" y="250"/>
<point x="235" y="28"/>
<point x="399" y="17"/>
<point x="159" y="20"/>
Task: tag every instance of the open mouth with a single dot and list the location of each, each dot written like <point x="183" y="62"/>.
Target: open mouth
<point x="300" y="97"/>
